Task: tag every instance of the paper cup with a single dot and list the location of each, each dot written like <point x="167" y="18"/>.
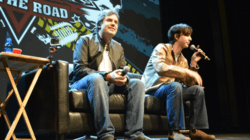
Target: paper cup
<point x="17" y="50"/>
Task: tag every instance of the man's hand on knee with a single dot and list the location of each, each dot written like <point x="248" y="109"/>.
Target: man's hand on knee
<point x="194" y="75"/>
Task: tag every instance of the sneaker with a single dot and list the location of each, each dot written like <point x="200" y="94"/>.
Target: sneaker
<point x="200" y="135"/>
<point x="177" y="136"/>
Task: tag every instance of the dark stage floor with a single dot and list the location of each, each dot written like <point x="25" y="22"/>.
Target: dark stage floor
<point x="219" y="136"/>
<point x="237" y="136"/>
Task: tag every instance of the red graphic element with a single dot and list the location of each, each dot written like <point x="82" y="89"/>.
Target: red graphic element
<point x="70" y="7"/>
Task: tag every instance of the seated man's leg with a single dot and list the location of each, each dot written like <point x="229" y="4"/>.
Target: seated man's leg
<point x="98" y="96"/>
<point x="135" y="108"/>
<point x="198" y="110"/>
<point x="172" y="94"/>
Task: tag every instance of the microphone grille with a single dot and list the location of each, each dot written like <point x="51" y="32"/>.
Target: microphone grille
<point x="126" y="69"/>
<point x="192" y="47"/>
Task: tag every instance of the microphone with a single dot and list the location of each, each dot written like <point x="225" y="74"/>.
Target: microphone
<point x="192" y="47"/>
<point x="125" y="70"/>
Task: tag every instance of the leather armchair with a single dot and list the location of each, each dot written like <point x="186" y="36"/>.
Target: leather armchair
<point x="53" y="108"/>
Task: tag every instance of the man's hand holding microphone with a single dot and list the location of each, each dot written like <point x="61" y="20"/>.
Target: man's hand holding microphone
<point x="118" y="77"/>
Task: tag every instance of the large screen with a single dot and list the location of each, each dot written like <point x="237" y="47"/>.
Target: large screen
<point x="31" y="24"/>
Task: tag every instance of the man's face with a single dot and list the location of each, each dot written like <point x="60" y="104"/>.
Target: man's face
<point x="184" y="40"/>
<point x="109" y="25"/>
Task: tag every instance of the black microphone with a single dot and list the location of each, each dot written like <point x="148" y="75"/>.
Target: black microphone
<point x="125" y="70"/>
<point x="192" y="47"/>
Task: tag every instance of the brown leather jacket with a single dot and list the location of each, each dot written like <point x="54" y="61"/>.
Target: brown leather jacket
<point x="163" y="69"/>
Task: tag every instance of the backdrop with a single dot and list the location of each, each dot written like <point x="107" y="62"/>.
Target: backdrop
<point x="31" y="23"/>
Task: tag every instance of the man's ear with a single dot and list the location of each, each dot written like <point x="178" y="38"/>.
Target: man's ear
<point x="99" y="24"/>
<point x="176" y="36"/>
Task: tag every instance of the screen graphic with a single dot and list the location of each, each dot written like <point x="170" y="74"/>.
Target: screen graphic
<point x="32" y="23"/>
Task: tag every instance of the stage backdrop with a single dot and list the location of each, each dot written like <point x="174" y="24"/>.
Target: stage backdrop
<point x="31" y="23"/>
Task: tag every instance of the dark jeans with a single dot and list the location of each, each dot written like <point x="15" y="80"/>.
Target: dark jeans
<point x="175" y="94"/>
<point x="98" y="95"/>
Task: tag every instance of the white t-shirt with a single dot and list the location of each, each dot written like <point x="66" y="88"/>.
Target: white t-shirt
<point x="106" y="64"/>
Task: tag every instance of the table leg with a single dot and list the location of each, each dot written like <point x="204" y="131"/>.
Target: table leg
<point x="22" y="104"/>
<point x="3" y="105"/>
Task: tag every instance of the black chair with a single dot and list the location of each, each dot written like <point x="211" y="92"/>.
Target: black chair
<point x="54" y="109"/>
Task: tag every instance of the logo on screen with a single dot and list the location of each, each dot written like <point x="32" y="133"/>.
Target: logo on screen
<point x="67" y="19"/>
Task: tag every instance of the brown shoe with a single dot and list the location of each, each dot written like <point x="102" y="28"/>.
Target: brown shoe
<point x="177" y="136"/>
<point x="108" y="138"/>
<point x="200" y="135"/>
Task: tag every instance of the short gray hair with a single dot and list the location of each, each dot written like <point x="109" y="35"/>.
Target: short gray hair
<point x="105" y="13"/>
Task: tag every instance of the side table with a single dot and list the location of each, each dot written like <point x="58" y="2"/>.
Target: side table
<point x="18" y="63"/>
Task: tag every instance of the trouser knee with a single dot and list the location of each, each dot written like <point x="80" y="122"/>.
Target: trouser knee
<point x="138" y="87"/>
<point x="176" y="88"/>
<point x="199" y="91"/>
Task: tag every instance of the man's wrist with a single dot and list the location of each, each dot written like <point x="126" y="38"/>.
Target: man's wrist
<point x="106" y="76"/>
<point x="195" y="65"/>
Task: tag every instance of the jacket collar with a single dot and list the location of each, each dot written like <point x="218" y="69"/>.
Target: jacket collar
<point x="180" y="58"/>
<point x="102" y="42"/>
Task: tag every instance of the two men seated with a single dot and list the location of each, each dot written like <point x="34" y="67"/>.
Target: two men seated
<point x="98" y="62"/>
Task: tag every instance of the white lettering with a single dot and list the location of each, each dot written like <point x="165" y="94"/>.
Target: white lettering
<point x="37" y="7"/>
<point x="9" y="2"/>
<point x="55" y="12"/>
<point x="47" y="10"/>
<point x="22" y="4"/>
<point x="64" y="13"/>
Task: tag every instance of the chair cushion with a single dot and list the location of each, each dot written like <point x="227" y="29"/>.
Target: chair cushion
<point x="79" y="102"/>
<point x="117" y="103"/>
<point x="154" y="105"/>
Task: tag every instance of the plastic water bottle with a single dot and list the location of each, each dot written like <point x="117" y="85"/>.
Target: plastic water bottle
<point x="8" y="47"/>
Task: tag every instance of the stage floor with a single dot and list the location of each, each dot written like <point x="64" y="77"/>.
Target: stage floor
<point x="219" y="136"/>
<point x="237" y="136"/>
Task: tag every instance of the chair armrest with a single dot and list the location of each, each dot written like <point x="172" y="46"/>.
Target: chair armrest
<point x="63" y="96"/>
